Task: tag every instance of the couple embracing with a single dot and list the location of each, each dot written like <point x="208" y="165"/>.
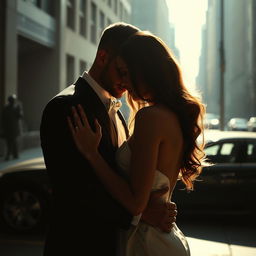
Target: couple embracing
<point x="112" y="183"/>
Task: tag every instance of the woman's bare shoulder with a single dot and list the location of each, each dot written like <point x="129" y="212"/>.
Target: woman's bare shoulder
<point x="158" y="124"/>
<point x="157" y="113"/>
<point x="158" y="118"/>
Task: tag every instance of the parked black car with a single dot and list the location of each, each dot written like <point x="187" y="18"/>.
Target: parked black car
<point x="24" y="196"/>
<point x="228" y="186"/>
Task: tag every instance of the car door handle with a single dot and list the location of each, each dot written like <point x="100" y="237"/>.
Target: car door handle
<point x="228" y="175"/>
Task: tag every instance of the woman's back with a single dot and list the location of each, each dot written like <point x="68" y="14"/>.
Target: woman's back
<point x="171" y="140"/>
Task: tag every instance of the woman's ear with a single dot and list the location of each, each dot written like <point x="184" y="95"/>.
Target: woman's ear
<point x="102" y="57"/>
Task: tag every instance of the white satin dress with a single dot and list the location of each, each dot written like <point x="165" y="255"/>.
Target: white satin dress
<point x="145" y="240"/>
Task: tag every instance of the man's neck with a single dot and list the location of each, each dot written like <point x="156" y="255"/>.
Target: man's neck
<point x="93" y="72"/>
<point x="100" y="91"/>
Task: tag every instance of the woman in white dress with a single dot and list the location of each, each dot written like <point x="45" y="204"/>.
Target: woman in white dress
<point x="166" y="121"/>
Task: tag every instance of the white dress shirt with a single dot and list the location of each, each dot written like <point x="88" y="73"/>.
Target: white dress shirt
<point x="105" y="98"/>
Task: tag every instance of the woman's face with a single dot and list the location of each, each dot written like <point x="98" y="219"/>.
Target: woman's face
<point x="124" y="73"/>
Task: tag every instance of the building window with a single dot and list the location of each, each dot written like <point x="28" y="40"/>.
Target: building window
<point x="70" y="62"/>
<point x="93" y="22"/>
<point x="49" y="7"/>
<point x="45" y="5"/>
<point x="102" y="22"/>
<point x="82" y="18"/>
<point x="83" y="66"/>
<point x="37" y="3"/>
<point x="71" y="14"/>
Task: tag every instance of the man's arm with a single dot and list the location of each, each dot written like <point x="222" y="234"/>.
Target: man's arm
<point x="55" y="137"/>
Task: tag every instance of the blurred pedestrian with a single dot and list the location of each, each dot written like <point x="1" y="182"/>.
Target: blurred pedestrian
<point x="12" y="115"/>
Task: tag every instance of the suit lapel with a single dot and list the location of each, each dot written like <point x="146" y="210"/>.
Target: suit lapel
<point x="94" y="107"/>
<point x="121" y="117"/>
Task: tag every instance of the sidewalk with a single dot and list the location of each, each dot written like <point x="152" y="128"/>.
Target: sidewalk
<point x="24" y="155"/>
<point x="220" y="239"/>
<point x="201" y="247"/>
<point x="29" y="146"/>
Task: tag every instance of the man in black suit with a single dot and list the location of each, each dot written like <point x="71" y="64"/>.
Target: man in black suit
<point x="84" y="217"/>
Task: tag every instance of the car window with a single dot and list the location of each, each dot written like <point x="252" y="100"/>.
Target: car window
<point x="212" y="150"/>
<point x="222" y="153"/>
<point x="251" y="152"/>
<point x="249" y="149"/>
<point x="228" y="153"/>
<point x="226" y="149"/>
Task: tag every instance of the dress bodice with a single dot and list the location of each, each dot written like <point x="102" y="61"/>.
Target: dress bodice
<point x="123" y="157"/>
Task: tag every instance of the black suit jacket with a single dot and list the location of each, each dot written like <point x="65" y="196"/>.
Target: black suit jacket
<point x="84" y="216"/>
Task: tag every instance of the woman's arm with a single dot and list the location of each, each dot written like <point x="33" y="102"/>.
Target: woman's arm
<point x="133" y="195"/>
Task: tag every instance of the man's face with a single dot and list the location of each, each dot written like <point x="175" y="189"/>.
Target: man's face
<point x="113" y="79"/>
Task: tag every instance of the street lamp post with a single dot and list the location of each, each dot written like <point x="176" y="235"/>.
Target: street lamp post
<point x="222" y="67"/>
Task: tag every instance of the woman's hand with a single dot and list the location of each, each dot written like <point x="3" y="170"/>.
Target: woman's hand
<point x="86" y="140"/>
<point x="159" y="213"/>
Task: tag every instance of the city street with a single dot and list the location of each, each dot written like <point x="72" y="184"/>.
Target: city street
<point x="207" y="237"/>
<point x="192" y="64"/>
<point x="214" y="239"/>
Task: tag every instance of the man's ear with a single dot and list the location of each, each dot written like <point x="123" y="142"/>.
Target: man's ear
<point x="102" y="57"/>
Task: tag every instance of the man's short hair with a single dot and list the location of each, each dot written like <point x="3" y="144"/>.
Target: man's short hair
<point x="115" y="34"/>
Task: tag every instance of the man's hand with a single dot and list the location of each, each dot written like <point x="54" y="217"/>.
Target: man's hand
<point x="159" y="213"/>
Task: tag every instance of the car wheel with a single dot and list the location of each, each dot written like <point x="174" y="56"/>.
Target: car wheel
<point x="23" y="209"/>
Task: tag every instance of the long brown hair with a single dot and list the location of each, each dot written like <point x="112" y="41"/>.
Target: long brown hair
<point x="149" y="59"/>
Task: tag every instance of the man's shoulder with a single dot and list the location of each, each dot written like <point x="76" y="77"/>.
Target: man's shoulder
<point x="62" y="97"/>
<point x="68" y="91"/>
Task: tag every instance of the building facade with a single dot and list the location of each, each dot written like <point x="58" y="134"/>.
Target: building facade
<point x="239" y="51"/>
<point x="48" y="44"/>
<point x="2" y="50"/>
<point x="208" y="80"/>
<point x="153" y="15"/>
